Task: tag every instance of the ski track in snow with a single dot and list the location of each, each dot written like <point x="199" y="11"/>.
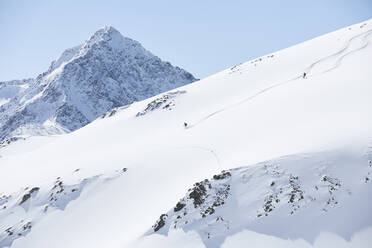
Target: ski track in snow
<point x="242" y="101"/>
<point x="212" y="152"/>
<point x="205" y="149"/>
<point x="308" y="70"/>
<point x="340" y="52"/>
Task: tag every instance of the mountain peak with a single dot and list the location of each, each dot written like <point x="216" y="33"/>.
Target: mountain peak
<point x="109" y="29"/>
<point x="107" y="36"/>
<point x="111" y="37"/>
<point x="106" y="32"/>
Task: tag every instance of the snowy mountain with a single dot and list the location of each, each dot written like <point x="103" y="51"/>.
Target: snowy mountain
<point x="106" y="71"/>
<point x="274" y="152"/>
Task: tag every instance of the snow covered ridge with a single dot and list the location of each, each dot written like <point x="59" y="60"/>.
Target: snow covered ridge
<point x="166" y="101"/>
<point x="288" y="191"/>
<point x="21" y="211"/>
<point x="105" y="72"/>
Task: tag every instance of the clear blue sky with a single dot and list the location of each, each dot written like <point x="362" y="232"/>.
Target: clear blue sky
<point x="201" y="36"/>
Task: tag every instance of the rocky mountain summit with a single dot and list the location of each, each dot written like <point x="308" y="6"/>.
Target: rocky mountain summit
<point x="105" y="72"/>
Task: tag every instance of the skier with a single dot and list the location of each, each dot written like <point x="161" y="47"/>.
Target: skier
<point x="185" y="124"/>
<point x="304" y="76"/>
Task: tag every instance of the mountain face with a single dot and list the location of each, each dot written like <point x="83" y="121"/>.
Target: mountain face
<point x="106" y="71"/>
<point x="274" y="152"/>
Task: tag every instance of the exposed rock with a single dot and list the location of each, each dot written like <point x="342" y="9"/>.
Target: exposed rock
<point x="160" y="223"/>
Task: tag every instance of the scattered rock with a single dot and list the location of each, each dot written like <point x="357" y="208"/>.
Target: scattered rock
<point x="25" y="198"/>
<point x="223" y="175"/>
<point x="179" y="206"/>
<point x="160" y="223"/>
<point x="164" y="101"/>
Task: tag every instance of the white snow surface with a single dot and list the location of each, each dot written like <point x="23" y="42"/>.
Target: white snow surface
<point x="297" y="155"/>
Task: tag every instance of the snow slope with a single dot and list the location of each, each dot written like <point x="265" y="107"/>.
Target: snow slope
<point x="312" y="133"/>
<point x="296" y="190"/>
<point x="106" y="71"/>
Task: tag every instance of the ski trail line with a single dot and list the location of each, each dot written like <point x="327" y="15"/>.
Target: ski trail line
<point x="206" y="150"/>
<point x="307" y="70"/>
<point x="242" y="101"/>
<point x="339" y="60"/>
<point x="343" y="49"/>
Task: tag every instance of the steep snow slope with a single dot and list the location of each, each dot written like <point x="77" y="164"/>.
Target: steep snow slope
<point x="296" y="190"/>
<point x="244" y="115"/>
<point x="106" y="71"/>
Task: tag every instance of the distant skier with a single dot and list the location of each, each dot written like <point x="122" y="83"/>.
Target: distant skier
<point x="304" y="76"/>
<point x="185" y="124"/>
